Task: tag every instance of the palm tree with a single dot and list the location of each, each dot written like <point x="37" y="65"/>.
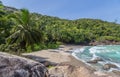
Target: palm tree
<point x="25" y="33"/>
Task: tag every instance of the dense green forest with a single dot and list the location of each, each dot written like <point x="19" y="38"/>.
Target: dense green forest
<point x="22" y="31"/>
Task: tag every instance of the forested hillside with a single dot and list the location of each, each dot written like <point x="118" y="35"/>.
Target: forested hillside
<point x="22" y="31"/>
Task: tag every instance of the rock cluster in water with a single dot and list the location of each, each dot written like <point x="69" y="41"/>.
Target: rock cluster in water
<point x="105" y="66"/>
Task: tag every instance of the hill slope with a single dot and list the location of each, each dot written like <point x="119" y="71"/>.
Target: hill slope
<point x="80" y="31"/>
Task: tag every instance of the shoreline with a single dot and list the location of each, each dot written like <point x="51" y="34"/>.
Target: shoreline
<point x="63" y="56"/>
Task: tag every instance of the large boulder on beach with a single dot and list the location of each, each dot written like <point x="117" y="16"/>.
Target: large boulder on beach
<point x="15" y="66"/>
<point x="108" y="66"/>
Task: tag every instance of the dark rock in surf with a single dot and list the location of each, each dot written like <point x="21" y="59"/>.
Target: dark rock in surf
<point x="108" y="66"/>
<point x="98" y="59"/>
<point x="94" y="61"/>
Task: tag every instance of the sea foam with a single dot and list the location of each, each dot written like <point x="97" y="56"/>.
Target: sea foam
<point x="109" y="54"/>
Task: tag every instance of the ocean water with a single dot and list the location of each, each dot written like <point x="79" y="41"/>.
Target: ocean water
<point x="109" y="54"/>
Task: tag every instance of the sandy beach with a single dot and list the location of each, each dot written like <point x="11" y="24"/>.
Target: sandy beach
<point x="62" y="55"/>
<point x="59" y="55"/>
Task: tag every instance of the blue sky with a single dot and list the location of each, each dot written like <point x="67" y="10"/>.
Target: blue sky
<point x="108" y="10"/>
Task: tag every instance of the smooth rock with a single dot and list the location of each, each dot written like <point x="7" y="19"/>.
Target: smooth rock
<point x="15" y="66"/>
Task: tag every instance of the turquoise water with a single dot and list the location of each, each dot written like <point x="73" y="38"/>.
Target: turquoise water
<point x="109" y="54"/>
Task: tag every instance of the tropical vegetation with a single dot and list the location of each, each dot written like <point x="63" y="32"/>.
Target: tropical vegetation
<point x="22" y="31"/>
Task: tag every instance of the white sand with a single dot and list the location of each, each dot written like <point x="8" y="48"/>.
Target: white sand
<point x="55" y="55"/>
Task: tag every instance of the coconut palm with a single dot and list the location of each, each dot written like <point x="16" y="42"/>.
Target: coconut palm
<point x="25" y="33"/>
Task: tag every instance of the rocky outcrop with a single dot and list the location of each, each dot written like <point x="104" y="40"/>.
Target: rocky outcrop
<point x="71" y="71"/>
<point x="40" y="60"/>
<point x="67" y="70"/>
<point x="15" y="66"/>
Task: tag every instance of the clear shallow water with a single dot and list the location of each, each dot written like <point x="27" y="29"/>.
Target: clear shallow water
<point x="109" y="54"/>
